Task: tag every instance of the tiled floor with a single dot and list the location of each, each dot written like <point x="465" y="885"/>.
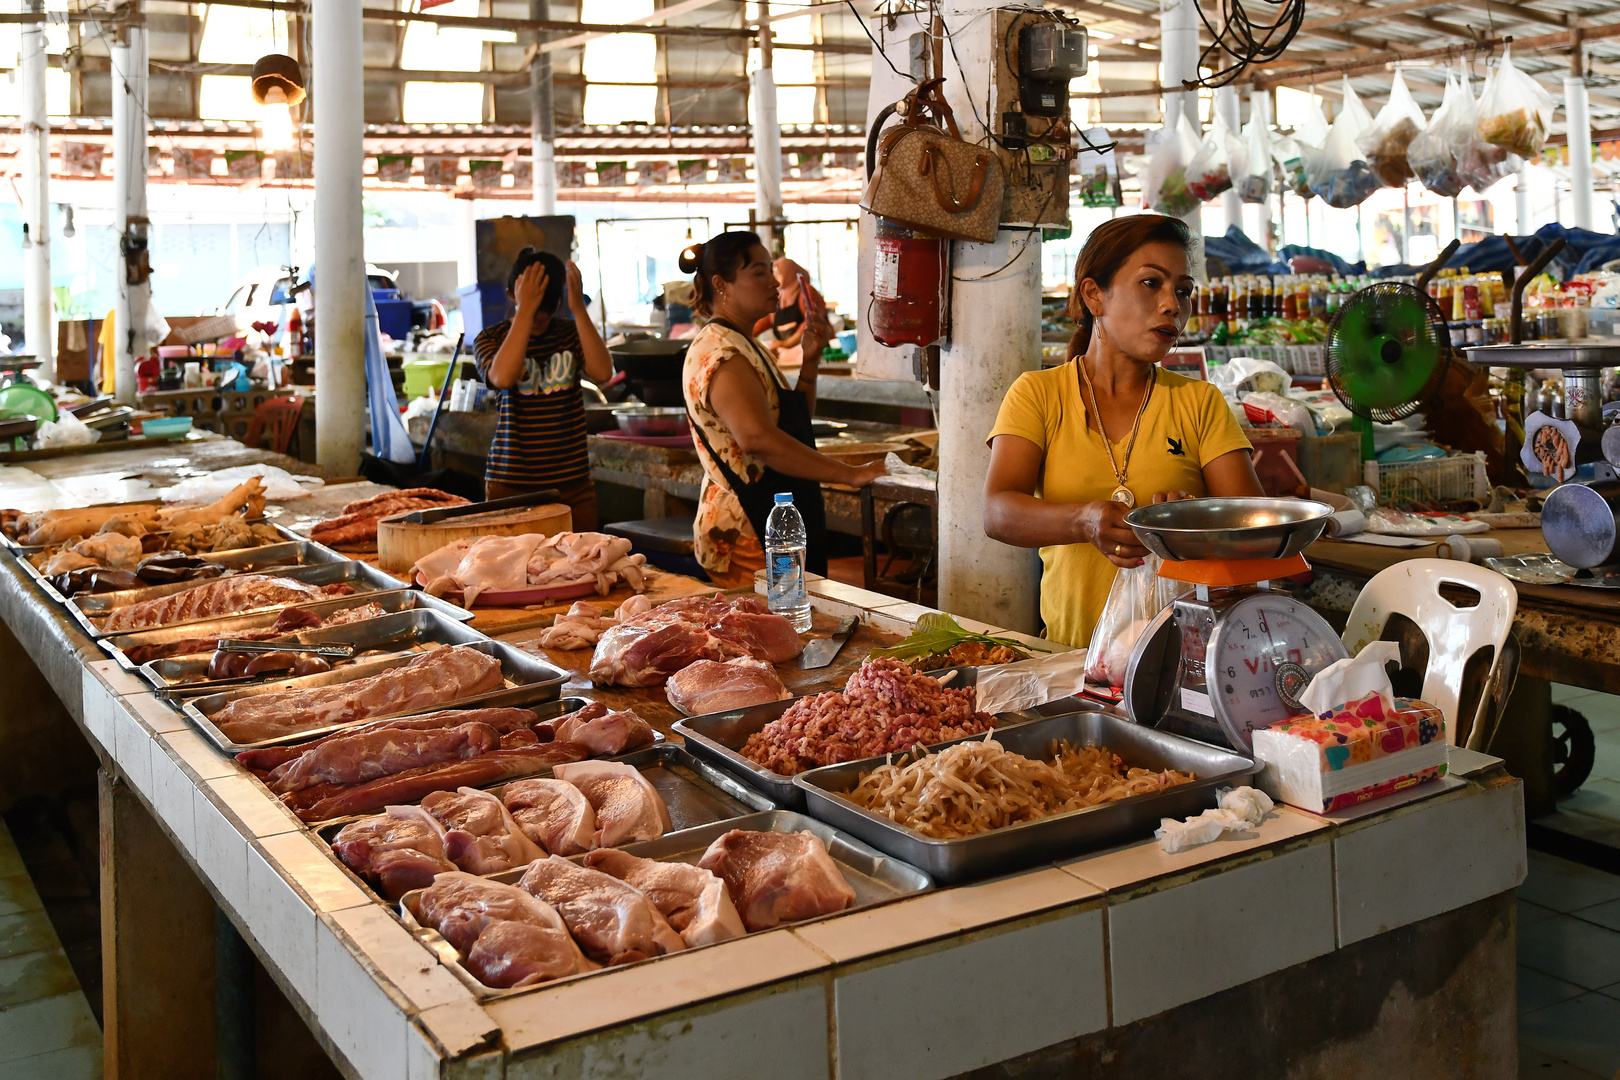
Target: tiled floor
<point x="1600" y="795"/>
<point x="46" y="1027"/>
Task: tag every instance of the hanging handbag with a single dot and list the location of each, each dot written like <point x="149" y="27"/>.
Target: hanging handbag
<point x="929" y="179"/>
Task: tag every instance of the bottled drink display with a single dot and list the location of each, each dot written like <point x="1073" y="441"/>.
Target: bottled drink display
<point x="784" y="563"/>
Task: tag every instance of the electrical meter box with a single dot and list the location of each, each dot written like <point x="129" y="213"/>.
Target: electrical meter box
<point x="1050" y="53"/>
<point x="1033" y="55"/>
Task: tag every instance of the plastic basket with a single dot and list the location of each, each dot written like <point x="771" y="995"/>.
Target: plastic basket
<point x="1461" y="476"/>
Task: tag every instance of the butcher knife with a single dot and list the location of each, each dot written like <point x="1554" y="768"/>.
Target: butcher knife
<point x="820" y="652"/>
<point x="511" y="502"/>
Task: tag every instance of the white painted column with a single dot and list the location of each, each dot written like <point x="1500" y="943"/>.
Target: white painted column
<point x="767" y="136"/>
<point x="129" y="83"/>
<point x="1178" y="56"/>
<point x="1260" y="110"/>
<point x="542" y="119"/>
<point x="39" y="307"/>
<point x="1230" y="109"/>
<point x="1521" y="199"/>
<point x="340" y="267"/>
<point x="1579" y="119"/>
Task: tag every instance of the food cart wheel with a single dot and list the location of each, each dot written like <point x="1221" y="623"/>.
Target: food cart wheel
<point x="1573" y="750"/>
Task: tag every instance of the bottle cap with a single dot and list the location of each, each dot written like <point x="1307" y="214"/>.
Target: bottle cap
<point x="784" y="498"/>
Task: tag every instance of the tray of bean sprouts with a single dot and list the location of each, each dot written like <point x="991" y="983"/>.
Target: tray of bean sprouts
<point x="1016" y="797"/>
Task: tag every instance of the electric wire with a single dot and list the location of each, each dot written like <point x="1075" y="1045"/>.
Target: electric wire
<point x="1244" y="39"/>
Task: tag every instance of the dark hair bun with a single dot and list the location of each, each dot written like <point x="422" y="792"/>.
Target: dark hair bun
<point x="691" y="258"/>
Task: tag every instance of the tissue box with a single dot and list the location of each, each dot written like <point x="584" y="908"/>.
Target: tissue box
<point x="1351" y="754"/>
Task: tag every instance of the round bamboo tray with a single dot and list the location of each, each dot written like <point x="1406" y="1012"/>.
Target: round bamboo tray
<point x="399" y="544"/>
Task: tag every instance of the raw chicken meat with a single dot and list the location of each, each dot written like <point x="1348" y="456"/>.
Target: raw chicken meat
<point x="613" y="923"/>
<point x="553" y="813"/>
<point x="627" y="806"/>
<point x="602" y="733"/>
<point x="438" y="676"/>
<point x="227" y="596"/>
<point x="647" y="649"/>
<point x="480" y="836"/>
<point x="399" y="851"/>
<point x="705" y="686"/>
<point x="508" y="936"/>
<point x="693" y="900"/>
<point x="777" y="877"/>
<point x="529" y="560"/>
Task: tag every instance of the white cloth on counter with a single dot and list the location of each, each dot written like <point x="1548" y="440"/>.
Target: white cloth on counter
<point x="1388" y="522"/>
<point x="1237" y="809"/>
<point x="1353" y="679"/>
<point x="279" y="484"/>
<point x="896" y="467"/>
<point x="1028" y="683"/>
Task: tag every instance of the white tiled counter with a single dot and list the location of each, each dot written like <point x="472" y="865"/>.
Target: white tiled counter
<point x="931" y="986"/>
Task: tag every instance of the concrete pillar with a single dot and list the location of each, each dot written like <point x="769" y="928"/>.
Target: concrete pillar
<point x="340" y="265"/>
<point x="39" y="308"/>
<point x="767" y="138"/>
<point x="1228" y="108"/>
<point x="542" y="119"/>
<point x="1521" y="199"/>
<point x="1579" y="119"/>
<point x="129" y="80"/>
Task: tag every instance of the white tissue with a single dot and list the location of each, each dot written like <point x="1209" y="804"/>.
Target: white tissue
<point x="1028" y="683"/>
<point x="1344" y="681"/>
<point x="1240" y="808"/>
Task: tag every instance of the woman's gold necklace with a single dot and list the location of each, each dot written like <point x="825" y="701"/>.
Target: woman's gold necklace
<point x="1121" y="494"/>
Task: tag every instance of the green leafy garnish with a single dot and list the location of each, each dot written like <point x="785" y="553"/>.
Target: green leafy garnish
<point x="938" y="633"/>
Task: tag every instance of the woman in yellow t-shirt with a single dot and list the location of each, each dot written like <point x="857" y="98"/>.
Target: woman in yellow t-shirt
<point x="1054" y="482"/>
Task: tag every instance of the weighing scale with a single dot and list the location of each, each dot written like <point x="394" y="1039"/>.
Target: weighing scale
<point x="1232" y="655"/>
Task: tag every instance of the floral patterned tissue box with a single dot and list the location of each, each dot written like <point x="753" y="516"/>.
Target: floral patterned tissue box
<point x="1352" y="754"/>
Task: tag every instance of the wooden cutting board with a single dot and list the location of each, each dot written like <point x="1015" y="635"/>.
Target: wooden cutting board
<point x="400" y="544"/>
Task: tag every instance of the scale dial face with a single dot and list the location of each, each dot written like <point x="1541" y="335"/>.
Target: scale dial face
<point x="1265" y="649"/>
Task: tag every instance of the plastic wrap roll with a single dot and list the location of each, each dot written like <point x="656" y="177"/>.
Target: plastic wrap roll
<point x="1346" y="523"/>
<point x="1469" y="548"/>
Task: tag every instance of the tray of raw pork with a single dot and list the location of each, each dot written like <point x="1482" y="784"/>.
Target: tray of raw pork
<point x="1058" y="786"/>
<point x="192" y="601"/>
<point x="578" y="807"/>
<point x="138" y="647"/>
<point x="484" y="674"/>
<point x="885" y="707"/>
<point x="229" y="516"/>
<point x="123" y="565"/>
<point x="563" y="917"/>
<point x="306" y="652"/>
<point x="530" y="568"/>
<point x="370" y="767"/>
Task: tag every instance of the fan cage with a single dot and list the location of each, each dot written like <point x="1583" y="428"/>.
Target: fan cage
<point x="1437" y="326"/>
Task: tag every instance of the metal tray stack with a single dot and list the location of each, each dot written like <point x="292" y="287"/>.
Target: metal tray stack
<point x="528" y="679"/>
<point x="88" y="609"/>
<point x="391" y="601"/>
<point x="268" y="558"/>
<point x="875" y="878"/>
<point x="1026" y="844"/>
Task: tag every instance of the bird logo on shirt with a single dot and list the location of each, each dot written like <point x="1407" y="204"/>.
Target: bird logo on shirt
<point x="1175" y="447"/>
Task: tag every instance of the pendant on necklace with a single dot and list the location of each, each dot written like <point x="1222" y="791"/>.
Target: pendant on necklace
<point x="1123" y="494"/>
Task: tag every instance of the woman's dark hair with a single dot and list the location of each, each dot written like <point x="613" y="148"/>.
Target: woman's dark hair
<point x="724" y="254"/>
<point x="1106" y="250"/>
<point x="556" y="276"/>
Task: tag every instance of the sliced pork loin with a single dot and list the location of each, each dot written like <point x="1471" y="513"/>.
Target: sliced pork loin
<point x="553" y="813"/>
<point x="694" y="901"/>
<point x="705" y="686"/>
<point x="509" y="937"/>
<point x="397" y="851"/>
<point x="480" y="835"/>
<point x="614" y="923"/>
<point x="602" y="732"/>
<point x="627" y="806"/>
<point x="777" y="877"/>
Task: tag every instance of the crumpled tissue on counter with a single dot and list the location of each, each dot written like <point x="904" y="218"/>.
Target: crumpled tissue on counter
<point x="1025" y="684"/>
<point x="1240" y="808"/>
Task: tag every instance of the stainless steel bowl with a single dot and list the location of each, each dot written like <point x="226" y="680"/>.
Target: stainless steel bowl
<point x="1229" y="528"/>
<point x="651" y="420"/>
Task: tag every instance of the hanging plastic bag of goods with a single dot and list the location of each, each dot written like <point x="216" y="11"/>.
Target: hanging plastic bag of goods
<point x="1430" y="154"/>
<point x="1164" y="181"/>
<point x="1343" y="178"/>
<point x="1210" y="173"/>
<point x="1254" y="179"/>
<point x="1386" y="143"/>
<point x="1479" y="163"/>
<point x="1514" y="110"/>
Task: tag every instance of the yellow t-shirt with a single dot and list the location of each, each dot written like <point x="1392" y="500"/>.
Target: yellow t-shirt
<point x="1186" y="426"/>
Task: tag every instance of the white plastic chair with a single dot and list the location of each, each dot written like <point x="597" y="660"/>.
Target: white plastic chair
<point x="1454" y="634"/>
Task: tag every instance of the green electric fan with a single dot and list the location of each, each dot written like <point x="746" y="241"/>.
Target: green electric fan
<point x="1386" y="353"/>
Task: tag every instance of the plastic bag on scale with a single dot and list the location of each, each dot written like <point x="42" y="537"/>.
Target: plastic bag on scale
<point x="1137" y="595"/>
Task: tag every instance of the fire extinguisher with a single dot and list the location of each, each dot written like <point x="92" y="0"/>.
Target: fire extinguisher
<point x="910" y="303"/>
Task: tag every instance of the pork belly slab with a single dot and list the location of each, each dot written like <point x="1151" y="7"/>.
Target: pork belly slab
<point x="508" y="937"/>
<point x="397" y="851"/>
<point x="777" y="877"/>
<point x="437" y="676"/>
<point x="645" y="650"/>
<point x="227" y="596"/>
<point x="627" y="806"/>
<point x="693" y="900"/>
<point x="705" y="686"/>
<point x="553" y="813"/>
<point x="614" y="923"/>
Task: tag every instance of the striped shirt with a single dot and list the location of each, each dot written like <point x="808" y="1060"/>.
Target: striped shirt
<point x="540" y="436"/>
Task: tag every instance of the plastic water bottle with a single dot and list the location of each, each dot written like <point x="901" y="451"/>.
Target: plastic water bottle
<point x="784" y="563"/>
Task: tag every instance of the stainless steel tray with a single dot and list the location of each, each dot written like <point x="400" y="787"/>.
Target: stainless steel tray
<point x="89" y="609"/>
<point x="7" y="541"/>
<point x="1545" y="569"/>
<point x="267" y="557"/>
<point x="697" y="794"/>
<point x="528" y="679"/>
<point x="393" y="600"/>
<point x="405" y="631"/>
<point x="875" y="877"/>
<point x="1028" y="843"/>
<point x="717" y="737"/>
